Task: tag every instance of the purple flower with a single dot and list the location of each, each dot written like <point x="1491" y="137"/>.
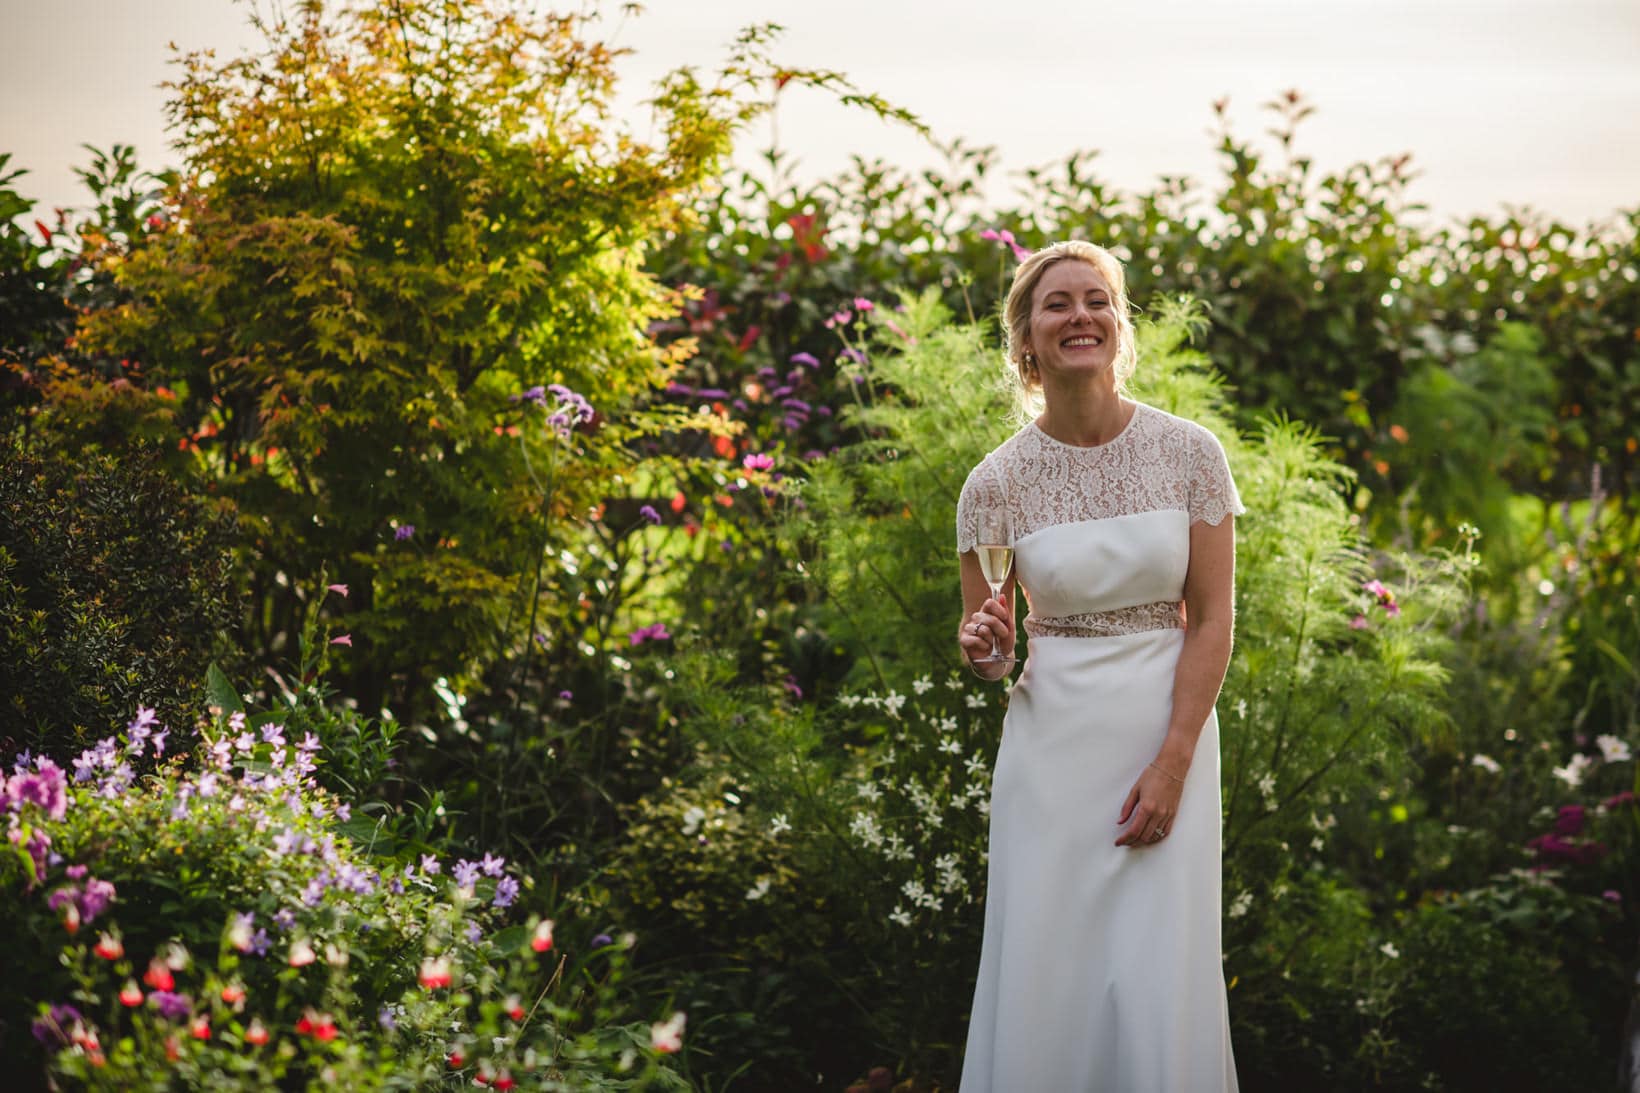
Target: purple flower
<point x="854" y="355"/>
<point x="757" y="461"/>
<point x="261" y="942"/>
<point x="649" y="514"/>
<point x="567" y="696"/>
<point x="430" y="865"/>
<point x="601" y="940"/>
<point x="171" y="1005"/>
<point x="1612" y="895"/>
<point x="679" y="389"/>
<point x="52" y="1030"/>
<point x="572" y="409"/>
<point x="386" y="1019"/>
<point x="796" y="404"/>
<point x="47" y="787"/>
<point x="712" y="392"/>
<point x="492" y="865"/>
<point x="474" y="932"/>
<point x="403" y="532"/>
<point x="536" y="394"/>
<point x="655" y="632"/>
<point x="76" y="872"/>
<point x="1570" y="820"/>
<point x="506" y="890"/>
<point x="159" y="741"/>
<point x="95" y="899"/>
<point x="465" y="873"/>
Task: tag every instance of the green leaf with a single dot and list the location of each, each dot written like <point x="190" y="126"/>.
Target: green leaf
<point x="221" y="691"/>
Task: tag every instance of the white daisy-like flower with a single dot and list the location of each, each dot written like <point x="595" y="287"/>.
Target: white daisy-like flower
<point x="779" y="825"/>
<point x="900" y="917"/>
<point x="974" y="702"/>
<point x="922" y="685"/>
<point x="760" y="889"/>
<point x="1485" y="762"/>
<point x="1613" y="749"/>
<point x="1572" y="772"/>
<point x="1388" y="949"/>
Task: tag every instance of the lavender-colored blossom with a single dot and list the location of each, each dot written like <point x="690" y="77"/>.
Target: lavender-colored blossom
<point x="567" y="696"/>
<point x="310" y="743"/>
<point x="62" y="897"/>
<point x="796" y="404"/>
<point x="207" y="784"/>
<point x="314" y="891"/>
<point x="473" y="933"/>
<point x="601" y="940"/>
<point x="506" y="890"/>
<point x="807" y="360"/>
<point x="711" y="392"/>
<point x="536" y="394"/>
<point x="171" y="1005"/>
<point x="387" y="1019"/>
<point x="159" y="741"/>
<point x="492" y="865"/>
<point x="274" y="734"/>
<point x="430" y="865"/>
<point x="854" y="355"/>
<point x="261" y="942"/>
<point x="465" y="873"/>
<point x="649" y="514"/>
<point x="572" y="409"/>
<point x="403" y="532"/>
<point x="679" y="389"/>
<point x="284" y="918"/>
<point x="24" y="760"/>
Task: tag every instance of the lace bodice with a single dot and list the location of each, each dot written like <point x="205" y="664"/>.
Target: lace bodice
<point x="1102" y="533"/>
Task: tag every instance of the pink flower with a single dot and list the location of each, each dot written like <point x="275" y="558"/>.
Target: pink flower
<point x="757" y="461"/>
<point x="345" y="639"/>
<point x="1358" y="623"/>
<point x="339" y="589"/>
<point x="1376" y="588"/>
<point x="1392" y="609"/>
<point x="863" y="304"/>
<point x="1612" y="895"/>
<point x="656" y="632"/>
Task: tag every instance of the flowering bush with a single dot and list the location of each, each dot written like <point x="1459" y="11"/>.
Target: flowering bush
<point x="221" y="919"/>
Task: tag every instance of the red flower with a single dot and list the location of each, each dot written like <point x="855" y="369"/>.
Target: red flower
<point x="130" y="994"/>
<point x="110" y="947"/>
<point x="256" y="1033"/>
<point x="515" y="1008"/>
<point x="456" y="1058"/>
<point x="173" y="1048"/>
<point x="504" y="1080"/>
<point x="233" y="994"/>
<point x="159" y="976"/>
<point x="542" y="941"/>
<point x="201" y="1028"/>
<point x="435" y="972"/>
<point x="749" y="339"/>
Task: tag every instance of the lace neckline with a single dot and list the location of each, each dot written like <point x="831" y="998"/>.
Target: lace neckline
<point x="1122" y="434"/>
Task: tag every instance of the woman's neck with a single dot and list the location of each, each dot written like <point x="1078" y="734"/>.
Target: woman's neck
<point x="1085" y="415"/>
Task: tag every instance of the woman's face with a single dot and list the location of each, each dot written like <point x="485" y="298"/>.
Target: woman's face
<point x="1073" y="322"/>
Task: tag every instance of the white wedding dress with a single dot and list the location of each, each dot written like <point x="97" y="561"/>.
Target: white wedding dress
<point x="1101" y="967"/>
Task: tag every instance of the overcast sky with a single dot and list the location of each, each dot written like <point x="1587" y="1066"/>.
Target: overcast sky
<point x="1501" y="102"/>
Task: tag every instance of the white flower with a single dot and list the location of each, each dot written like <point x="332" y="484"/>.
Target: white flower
<point x="779" y="825"/>
<point x="758" y="890"/>
<point x="974" y="765"/>
<point x="1613" y="750"/>
<point x="848" y="702"/>
<point x="1572" y="772"/>
<point x="922" y="685"/>
<point x="1485" y="762"/>
<point x="869" y="791"/>
<point x="899" y="916"/>
<point x="956" y="682"/>
<point x="864" y="827"/>
<point x="1240" y="905"/>
<point x="951" y="747"/>
<point x="692" y="817"/>
<point x="946" y="724"/>
<point x="974" y="702"/>
<point x="1389" y="950"/>
<point x="1318" y="844"/>
<point x="667" y="1036"/>
<point x="893" y="703"/>
<point x="1241" y="708"/>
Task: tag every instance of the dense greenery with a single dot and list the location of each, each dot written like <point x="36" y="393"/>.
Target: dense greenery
<point x="591" y="504"/>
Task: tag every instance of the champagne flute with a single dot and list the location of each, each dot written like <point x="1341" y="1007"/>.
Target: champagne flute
<point x="995" y="547"/>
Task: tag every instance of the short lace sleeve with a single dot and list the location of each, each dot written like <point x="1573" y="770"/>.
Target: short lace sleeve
<point x="968" y="511"/>
<point x="1213" y="493"/>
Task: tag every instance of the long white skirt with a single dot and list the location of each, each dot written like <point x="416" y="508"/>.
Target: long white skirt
<point x="1101" y="967"/>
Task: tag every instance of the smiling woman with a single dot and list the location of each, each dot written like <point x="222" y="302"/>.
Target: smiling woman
<point x="1101" y="963"/>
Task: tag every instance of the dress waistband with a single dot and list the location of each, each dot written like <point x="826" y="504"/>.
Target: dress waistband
<point x="1162" y="615"/>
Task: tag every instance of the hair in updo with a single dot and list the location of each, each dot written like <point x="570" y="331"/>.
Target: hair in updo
<point x="1016" y="312"/>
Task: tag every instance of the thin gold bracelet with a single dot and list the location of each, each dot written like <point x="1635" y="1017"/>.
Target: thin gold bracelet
<point x="1165" y="774"/>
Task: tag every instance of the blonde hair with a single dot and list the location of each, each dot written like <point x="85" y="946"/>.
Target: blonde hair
<point x="1016" y="311"/>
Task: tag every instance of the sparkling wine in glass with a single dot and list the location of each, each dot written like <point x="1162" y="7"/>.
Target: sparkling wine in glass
<point x="995" y="547"/>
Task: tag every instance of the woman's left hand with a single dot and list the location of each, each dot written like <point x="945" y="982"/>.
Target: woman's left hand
<point x="1152" y="804"/>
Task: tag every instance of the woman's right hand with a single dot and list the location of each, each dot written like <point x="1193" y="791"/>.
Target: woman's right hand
<point x="993" y="622"/>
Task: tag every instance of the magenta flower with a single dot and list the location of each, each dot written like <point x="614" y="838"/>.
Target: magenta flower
<point x="339" y="589"/>
<point x="46" y="787"/>
<point x="1358" y="623"/>
<point x="1392" y="609"/>
<point x="863" y="304"/>
<point x="808" y="360"/>
<point x="1570" y="820"/>
<point x="1006" y="238"/>
<point x="567" y="696"/>
<point x="403" y="532"/>
<point x="1612" y="895"/>
<point x="655" y="632"/>
<point x="757" y="461"/>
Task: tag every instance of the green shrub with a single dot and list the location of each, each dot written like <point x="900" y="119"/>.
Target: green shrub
<point x="117" y="588"/>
